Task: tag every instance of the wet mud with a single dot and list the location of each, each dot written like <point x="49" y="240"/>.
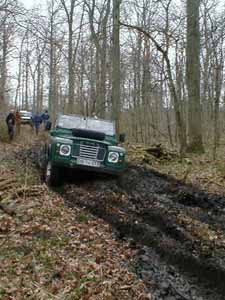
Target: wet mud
<point x="179" y="231"/>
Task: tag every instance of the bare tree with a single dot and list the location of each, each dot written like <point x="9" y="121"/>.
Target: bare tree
<point x="99" y="38"/>
<point x="137" y="76"/>
<point x="72" y="47"/>
<point x="193" y="77"/>
<point x="172" y="88"/>
<point x="116" y="105"/>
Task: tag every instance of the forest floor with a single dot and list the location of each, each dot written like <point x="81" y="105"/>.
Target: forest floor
<point x="48" y="250"/>
<point x="157" y="232"/>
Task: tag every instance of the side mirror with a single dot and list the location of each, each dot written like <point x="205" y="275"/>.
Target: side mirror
<point x="53" y="132"/>
<point x="122" y="137"/>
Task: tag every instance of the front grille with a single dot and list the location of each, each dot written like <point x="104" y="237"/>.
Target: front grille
<point x="96" y="152"/>
<point x="90" y="152"/>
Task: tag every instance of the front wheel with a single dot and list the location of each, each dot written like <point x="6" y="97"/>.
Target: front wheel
<point x="52" y="175"/>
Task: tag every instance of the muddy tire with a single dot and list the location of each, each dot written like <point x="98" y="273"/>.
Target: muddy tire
<point x="52" y="175"/>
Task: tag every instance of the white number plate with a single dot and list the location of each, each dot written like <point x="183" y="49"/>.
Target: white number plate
<point x="88" y="162"/>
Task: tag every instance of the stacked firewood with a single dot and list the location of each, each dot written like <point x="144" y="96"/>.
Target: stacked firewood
<point x="149" y="154"/>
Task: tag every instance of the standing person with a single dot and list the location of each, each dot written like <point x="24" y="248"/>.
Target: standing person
<point x="48" y="125"/>
<point x="45" y="117"/>
<point x="10" y="121"/>
<point x="37" y="120"/>
<point x="18" y="122"/>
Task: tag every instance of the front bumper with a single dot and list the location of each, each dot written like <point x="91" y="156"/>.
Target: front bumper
<point x="26" y="121"/>
<point x="102" y="169"/>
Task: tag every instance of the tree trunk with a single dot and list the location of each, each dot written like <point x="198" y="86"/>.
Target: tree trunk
<point x="38" y="88"/>
<point x="116" y="65"/>
<point x="51" y="67"/>
<point x="71" y="70"/>
<point x="193" y="77"/>
<point x="103" y="62"/>
<point x="3" y="67"/>
<point x="27" y="81"/>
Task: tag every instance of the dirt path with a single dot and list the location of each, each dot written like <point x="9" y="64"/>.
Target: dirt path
<point x="52" y="252"/>
<point x="176" y="232"/>
<point x="179" y="230"/>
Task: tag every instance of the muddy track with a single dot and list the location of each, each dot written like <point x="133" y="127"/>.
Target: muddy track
<point x="178" y="229"/>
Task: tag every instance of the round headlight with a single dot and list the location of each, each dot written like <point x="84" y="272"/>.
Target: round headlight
<point x="113" y="157"/>
<point x="65" y="150"/>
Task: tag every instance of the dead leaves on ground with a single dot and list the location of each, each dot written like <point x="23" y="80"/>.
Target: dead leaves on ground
<point x="52" y="252"/>
<point x="199" y="170"/>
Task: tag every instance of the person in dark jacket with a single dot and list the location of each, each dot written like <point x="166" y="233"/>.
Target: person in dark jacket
<point x="10" y="121"/>
<point x="18" y="122"/>
<point x="48" y="125"/>
<point x="45" y="117"/>
<point x="37" y="120"/>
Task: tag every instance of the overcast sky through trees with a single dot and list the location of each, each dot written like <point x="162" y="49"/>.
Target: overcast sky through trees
<point x="30" y="3"/>
<point x="47" y="54"/>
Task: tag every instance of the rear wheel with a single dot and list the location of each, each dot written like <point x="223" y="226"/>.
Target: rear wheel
<point x="52" y="175"/>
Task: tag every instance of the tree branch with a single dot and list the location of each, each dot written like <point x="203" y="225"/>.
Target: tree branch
<point x="157" y="45"/>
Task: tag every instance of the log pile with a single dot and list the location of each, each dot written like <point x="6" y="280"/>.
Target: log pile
<point x="29" y="191"/>
<point x="11" y="190"/>
<point x="139" y="153"/>
<point x="7" y="184"/>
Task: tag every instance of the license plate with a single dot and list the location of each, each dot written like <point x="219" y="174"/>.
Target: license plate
<point x="88" y="162"/>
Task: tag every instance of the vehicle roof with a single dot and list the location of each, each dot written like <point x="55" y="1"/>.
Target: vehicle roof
<point x="85" y="117"/>
<point x="25" y="111"/>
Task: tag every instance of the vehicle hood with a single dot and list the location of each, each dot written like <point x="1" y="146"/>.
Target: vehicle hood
<point x="67" y="134"/>
<point x="74" y="139"/>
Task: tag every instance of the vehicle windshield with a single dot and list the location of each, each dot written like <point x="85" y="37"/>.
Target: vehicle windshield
<point x="70" y="122"/>
<point x="25" y="114"/>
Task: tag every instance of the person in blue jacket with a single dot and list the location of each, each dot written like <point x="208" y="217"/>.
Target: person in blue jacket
<point x="45" y="117"/>
<point x="37" y="120"/>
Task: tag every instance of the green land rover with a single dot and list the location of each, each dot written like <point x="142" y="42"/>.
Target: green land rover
<point x="79" y="142"/>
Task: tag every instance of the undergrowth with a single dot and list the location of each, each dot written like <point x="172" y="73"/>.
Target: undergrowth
<point x="3" y="132"/>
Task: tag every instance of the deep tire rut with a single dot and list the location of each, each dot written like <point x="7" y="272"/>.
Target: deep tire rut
<point x="177" y="224"/>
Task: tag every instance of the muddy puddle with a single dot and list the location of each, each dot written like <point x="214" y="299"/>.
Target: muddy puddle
<point x="178" y="230"/>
